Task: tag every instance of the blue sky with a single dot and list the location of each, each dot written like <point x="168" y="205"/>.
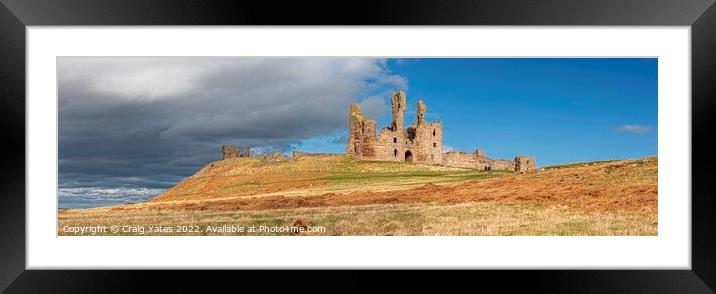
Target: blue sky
<point x="558" y="110"/>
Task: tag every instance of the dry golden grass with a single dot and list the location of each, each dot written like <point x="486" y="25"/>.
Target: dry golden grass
<point x="468" y="219"/>
<point x="379" y="198"/>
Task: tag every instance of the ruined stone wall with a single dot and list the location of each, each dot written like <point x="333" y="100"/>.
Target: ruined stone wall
<point x="502" y="164"/>
<point x="423" y="143"/>
<point x="230" y="151"/>
<point x="368" y="142"/>
<point x="355" y="130"/>
<point x="476" y="160"/>
<point x="524" y="163"/>
<point x="361" y="135"/>
<point x="463" y="159"/>
<point x="436" y="133"/>
<point x="300" y="154"/>
<point x="276" y="157"/>
<point x="390" y="145"/>
<point x="234" y="151"/>
<point x="397" y="102"/>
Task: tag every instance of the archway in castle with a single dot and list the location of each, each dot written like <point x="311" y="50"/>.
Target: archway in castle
<point x="408" y="156"/>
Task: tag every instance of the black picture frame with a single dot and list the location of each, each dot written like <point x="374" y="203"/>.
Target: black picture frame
<point x="16" y="15"/>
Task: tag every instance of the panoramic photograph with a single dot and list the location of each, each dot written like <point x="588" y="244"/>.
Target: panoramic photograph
<point x="356" y="146"/>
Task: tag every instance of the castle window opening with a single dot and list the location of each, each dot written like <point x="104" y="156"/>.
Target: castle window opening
<point x="395" y="152"/>
<point x="395" y="140"/>
<point x="433" y="132"/>
<point x="435" y="144"/>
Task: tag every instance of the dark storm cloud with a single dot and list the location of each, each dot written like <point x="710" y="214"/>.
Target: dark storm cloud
<point x="145" y="123"/>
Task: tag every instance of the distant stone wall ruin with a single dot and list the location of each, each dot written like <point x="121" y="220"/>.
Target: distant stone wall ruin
<point x="276" y="157"/>
<point x="230" y="151"/>
<point x="524" y="163"/>
<point x="464" y="159"/>
<point x="299" y="154"/>
<point x="478" y="160"/>
<point x="233" y="151"/>
<point x="502" y="164"/>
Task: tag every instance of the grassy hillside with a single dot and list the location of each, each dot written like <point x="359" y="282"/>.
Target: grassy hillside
<point x="349" y="197"/>
<point x="238" y="177"/>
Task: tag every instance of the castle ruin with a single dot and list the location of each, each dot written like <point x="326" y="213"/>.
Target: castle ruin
<point x="421" y="142"/>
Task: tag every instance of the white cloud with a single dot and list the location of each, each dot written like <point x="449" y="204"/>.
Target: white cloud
<point x="374" y="106"/>
<point x="635" y="129"/>
<point x="399" y="82"/>
<point x="107" y="192"/>
<point x="136" y="78"/>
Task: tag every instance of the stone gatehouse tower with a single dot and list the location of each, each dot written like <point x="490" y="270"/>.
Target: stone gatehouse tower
<point x="420" y="142"/>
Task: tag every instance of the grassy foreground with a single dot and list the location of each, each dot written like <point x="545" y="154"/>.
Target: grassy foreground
<point x="483" y="219"/>
<point x="340" y="197"/>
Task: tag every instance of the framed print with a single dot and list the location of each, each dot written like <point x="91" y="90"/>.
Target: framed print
<point x="567" y="138"/>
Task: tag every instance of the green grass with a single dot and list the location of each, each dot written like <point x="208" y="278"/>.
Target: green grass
<point x="351" y="174"/>
<point x="380" y="176"/>
<point x="451" y="176"/>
